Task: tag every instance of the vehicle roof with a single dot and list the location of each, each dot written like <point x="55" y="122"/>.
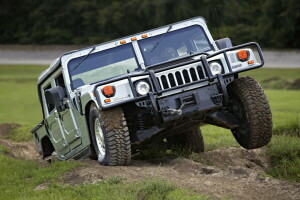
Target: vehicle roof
<point x="57" y="62"/>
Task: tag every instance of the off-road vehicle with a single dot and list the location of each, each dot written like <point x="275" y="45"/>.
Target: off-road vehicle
<point x="112" y="99"/>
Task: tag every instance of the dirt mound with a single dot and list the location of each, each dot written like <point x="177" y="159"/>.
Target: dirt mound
<point x="6" y="128"/>
<point x="253" y="159"/>
<point x="232" y="173"/>
<point x="239" y="176"/>
<point x="22" y="150"/>
<point x="295" y="84"/>
<point x="278" y="83"/>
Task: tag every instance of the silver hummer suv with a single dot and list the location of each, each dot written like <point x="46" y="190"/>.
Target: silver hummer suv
<point x="112" y="99"/>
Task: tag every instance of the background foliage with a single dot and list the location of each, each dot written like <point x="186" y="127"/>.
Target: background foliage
<point x="272" y="23"/>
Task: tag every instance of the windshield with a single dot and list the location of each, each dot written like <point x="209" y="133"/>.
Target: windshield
<point x="175" y="44"/>
<point x="102" y="65"/>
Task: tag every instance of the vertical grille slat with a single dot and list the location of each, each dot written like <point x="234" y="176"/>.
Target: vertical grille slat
<point x="179" y="78"/>
<point x="173" y="78"/>
<point x="160" y="83"/>
<point x="194" y="75"/>
<point x="182" y="77"/>
<point x="186" y="76"/>
<point x="189" y="73"/>
<point x="164" y="82"/>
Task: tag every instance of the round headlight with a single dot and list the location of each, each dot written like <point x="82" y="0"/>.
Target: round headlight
<point x="215" y="68"/>
<point x="142" y="88"/>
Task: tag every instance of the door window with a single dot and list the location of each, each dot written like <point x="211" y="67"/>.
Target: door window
<point x="59" y="81"/>
<point x="50" y="106"/>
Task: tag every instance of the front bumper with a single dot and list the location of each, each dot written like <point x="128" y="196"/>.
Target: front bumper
<point x="191" y="105"/>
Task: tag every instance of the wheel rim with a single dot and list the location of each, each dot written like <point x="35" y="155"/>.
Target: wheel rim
<point x="99" y="139"/>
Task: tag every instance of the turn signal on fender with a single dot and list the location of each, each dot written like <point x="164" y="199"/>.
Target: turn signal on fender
<point x="108" y="91"/>
<point x="107" y="101"/>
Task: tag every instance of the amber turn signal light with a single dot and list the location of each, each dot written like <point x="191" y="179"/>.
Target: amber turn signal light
<point x="107" y="101"/>
<point x="250" y="62"/>
<point x="243" y="55"/>
<point x="108" y="91"/>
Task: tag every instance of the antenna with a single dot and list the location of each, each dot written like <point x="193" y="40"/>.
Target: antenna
<point x="220" y="34"/>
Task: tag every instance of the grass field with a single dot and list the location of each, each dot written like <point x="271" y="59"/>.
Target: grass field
<point x="19" y="104"/>
<point x="19" y="178"/>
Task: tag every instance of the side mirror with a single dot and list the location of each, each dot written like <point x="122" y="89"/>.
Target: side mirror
<point x="55" y="96"/>
<point x="223" y="43"/>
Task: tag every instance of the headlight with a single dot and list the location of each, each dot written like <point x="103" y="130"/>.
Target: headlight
<point x="142" y="88"/>
<point x="215" y="68"/>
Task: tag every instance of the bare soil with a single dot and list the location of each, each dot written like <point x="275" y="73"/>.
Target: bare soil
<point x="6" y="128"/>
<point x="233" y="173"/>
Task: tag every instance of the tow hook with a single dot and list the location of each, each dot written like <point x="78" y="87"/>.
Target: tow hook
<point x="172" y="111"/>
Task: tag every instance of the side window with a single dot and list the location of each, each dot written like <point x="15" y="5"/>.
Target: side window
<point x="59" y="81"/>
<point x="49" y="105"/>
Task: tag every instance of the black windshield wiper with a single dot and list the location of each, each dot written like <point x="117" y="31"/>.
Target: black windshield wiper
<point x="87" y="55"/>
<point x="157" y="43"/>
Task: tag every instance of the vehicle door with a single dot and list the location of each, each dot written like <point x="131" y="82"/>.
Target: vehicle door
<point x="62" y="126"/>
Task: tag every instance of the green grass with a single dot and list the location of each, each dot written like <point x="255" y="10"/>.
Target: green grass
<point x="276" y="78"/>
<point x="285" y="105"/>
<point x="19" y="99"/>
<point x="21" y="133"/>
<point x="19" y="178"/>
<point x="284" y="151"/>
<point x="268" y="73"/>
<point x="3" y="150"/>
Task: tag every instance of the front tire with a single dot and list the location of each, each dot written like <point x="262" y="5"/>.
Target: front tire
<point x="249" y="103"/>
<point x="110" y="136"/>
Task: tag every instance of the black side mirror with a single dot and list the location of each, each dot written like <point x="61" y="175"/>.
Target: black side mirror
<point x="223" y="43"/>
<point x="55" y="96"/>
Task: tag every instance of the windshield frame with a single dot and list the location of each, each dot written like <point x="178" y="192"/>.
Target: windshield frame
<point x="164" y="35"/>
<point x="138" y="66"/>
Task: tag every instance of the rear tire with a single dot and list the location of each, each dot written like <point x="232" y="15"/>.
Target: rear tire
<point x="249" y="103"/>
<point x="110" y="136"/>
<point x="190" y="139"/>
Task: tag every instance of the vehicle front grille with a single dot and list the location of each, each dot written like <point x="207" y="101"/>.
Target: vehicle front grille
<point x="180" y="76"/>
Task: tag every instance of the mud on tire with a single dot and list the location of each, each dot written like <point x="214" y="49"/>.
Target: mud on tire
<point x="250" y="104"/>
<point x="190" y="139"/>
<point x="115" y="135"/>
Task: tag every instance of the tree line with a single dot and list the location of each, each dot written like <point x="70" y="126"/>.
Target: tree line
<point x="272" y="23"/>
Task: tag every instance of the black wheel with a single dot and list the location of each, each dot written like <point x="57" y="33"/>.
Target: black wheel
<point x="190" y="139"/>
<point x="110" y="136"/>
<point x="249" y="103"/>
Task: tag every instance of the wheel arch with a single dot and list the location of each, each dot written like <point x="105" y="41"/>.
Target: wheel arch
<point x="46" y="147"/>
<point x="87" y="118"/>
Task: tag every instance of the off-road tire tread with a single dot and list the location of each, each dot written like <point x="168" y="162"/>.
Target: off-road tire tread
<point x="114" y="126"/>
<point x="257" y="109"/>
